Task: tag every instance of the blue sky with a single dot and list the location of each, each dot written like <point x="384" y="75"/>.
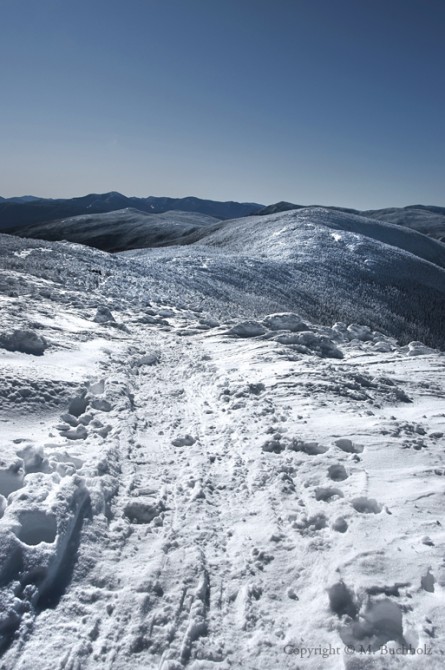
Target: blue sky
<point x="312" y="101"/>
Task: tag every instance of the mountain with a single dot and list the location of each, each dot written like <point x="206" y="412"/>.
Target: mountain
<point x="277" y="207"/>
<point x="258" y="234"/>
<point x="326" y="265"/>
<point x="22" y="199"/>
<point x="427" y="219"/>
<point x="17" y="212"/>
<point x="220" y="210"/>
<point x="122" y="229"/>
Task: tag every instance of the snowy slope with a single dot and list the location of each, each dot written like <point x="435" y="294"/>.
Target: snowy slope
<point x="430" y="221"/>
<point x="258" y="233"/>
<point x="426" y="219"/>
<point x="120" y="230"/>
<point x="184" y="491"/>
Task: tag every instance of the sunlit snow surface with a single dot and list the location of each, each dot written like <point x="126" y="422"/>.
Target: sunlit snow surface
<point x="188" y="480"/>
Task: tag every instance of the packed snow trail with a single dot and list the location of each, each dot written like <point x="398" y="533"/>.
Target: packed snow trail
<point x="247" y="507"/>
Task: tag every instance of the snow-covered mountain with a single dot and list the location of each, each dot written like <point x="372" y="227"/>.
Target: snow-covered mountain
<point x="21" y="199"/>
<point x="122" y="229"/>
<point x="429" y="220"/>
<point x="226" y="454"/>
<point x="33" y="214"/>
<point x="326" y="265"/>
<point x="17" y="213"/>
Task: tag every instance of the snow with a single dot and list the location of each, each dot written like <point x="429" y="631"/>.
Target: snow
<point x="182" y="486"/>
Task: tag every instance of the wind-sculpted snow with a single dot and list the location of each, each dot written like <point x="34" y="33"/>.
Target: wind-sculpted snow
<point x="197" y="474"/>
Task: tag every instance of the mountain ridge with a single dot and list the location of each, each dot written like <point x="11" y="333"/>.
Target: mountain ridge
<point x="16" y="213"/>
<point x="25" y="211"/>
<point x="122" y="229"/>
<point x="427" y="219"/>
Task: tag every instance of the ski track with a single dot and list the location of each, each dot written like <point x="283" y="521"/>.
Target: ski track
<point x="223" y="502"/>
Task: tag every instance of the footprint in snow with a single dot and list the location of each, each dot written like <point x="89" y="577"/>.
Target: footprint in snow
<point x="348" y="446"/>
<point x="310" y="448"/>
<point x="327" y="494"/>
<point x="184" y="441"/>
<point x="337" y="472"/>
<point x="340" y="525"/>
<point x="365" y="505"/>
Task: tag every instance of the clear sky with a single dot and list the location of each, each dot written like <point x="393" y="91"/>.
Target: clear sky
<point x="312" y="101"/>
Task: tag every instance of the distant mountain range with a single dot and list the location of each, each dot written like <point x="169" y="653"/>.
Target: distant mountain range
<point x="114" y="222"/>
<point x="20" y="199"/>
<point x="27" y="210"/>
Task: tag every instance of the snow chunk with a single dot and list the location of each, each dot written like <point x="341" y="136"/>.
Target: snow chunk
<point x="148" y="359"/>
<point x="418" y="349"/>
<point x="103" y="315"/>
<point x="10" y="560"/>
<point x="382" y="347"/>
<point x="25" y="341"/>
<point x="284" y="321"/>
<point x="307" y="342"/>
<point x="34" y="459"/>
<point x="78" y="433"/>
<point x="143" y="511"/>
<point x="11" y="476"/>
<point x="247" y="329"/>
<point x="359" y="332"/>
